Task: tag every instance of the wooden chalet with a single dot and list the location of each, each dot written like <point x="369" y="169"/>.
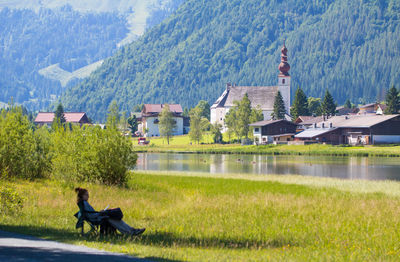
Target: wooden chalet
<point x="273" y="131"/>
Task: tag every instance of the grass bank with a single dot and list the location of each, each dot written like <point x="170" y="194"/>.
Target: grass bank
<point x="181" y="144"/>
<point x="228" y="218"/>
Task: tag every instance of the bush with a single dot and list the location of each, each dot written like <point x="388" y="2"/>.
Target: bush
<point x="23" y="154"/>
<point x="91" y="154"/>
<point x="10" y="201"/>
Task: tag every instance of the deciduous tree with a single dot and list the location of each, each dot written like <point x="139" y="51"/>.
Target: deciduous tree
<point x="167" y="123"/>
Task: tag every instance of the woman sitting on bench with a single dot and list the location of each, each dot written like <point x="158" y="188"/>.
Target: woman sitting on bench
<point x="119" y="224"/>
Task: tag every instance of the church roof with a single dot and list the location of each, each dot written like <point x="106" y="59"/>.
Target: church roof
<point x="263" y="96"/>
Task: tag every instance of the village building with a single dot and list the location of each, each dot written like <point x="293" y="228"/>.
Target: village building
<point x="354" y="129"/>
<point x="341" y="111"/>
<point x="305" y="122"/>
<point x="47" y="118"/>
<point x="149" y="118"/>
<point x="273" y="131"/>
<point x="259" y="96"/>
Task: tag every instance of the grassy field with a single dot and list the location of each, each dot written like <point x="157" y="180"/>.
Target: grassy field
<point x="195" y="217"/>
<point x="182" y="144"/>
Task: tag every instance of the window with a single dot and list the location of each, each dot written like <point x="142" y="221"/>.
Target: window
<point x="283" y="81"/>
<point x="256" y="129"/>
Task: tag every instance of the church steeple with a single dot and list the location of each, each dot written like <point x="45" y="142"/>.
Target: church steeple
<point x="284" y="66"/>
<point x="284" y="78"/>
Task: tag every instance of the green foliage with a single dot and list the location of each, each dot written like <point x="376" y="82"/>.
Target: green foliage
<point x="23" y="154"/>
<point x="91" y="154"/>
<point x="300" y="105"/>
<point x="279" y="107"/>
<point x="392" y="101"/>
<point x="328" y="106"/>
<point x="198" y="124"/>
<point x="340" y="44"/>
<point x="59" y="114"/>
<point x="216" y="132"/>
<point x="239" y="117"/>
<point x="11" y="202"/>
<point x="314" y="106"/>
<point x="113" y="117"/>
<point x="347" y="104"/>
<point x="33" y="40"/>
<point x="204" y="108"/>
<point x="167" y="123"/>
<point x="133" y="124"/>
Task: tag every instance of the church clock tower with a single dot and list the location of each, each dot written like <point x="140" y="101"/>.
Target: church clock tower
<point x="284" y="78"/>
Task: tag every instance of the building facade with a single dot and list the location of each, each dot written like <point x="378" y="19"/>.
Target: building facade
<point x="259" y="96"/>
<point x="150" y="119"/>
<point x="273" y="131"/>
<point x="355" y="130"/>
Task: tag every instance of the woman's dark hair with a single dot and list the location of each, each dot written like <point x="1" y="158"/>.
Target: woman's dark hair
<point x="80" y="192"/>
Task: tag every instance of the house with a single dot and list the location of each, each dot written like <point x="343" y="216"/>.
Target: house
<point x="259" y="96"/>
<point x="150" y="119"/>
<point x="354" y="129"/>
<point x="273" y="131"/>
<point x="341" y="111"/>
<point x="46" y="118"/>
<point x="380" y="109"/>
<point x="304" y="122"/>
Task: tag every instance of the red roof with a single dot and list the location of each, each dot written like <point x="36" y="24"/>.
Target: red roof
<point x="157" y="108"/>
<point x="75" y="117"/>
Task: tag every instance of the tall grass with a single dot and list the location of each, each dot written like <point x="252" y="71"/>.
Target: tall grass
<point x="190" y="218"/>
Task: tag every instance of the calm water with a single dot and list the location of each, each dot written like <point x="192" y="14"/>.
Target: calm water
<point x="325" y="166"/>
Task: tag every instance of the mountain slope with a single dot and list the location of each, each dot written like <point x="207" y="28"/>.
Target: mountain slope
<point x="349" y="47"/>
<point x="44" y="44"/>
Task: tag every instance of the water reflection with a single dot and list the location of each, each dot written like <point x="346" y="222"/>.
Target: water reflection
<point x="325" y="166"/>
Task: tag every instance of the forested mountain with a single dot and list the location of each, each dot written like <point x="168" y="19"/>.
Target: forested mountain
<point x="42" y="43"/>
<point x="350" y="47"/>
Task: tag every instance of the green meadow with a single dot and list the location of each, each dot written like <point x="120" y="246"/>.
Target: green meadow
<point x="204" y="217"/>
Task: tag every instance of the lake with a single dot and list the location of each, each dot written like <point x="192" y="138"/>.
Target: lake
<point x="370" y="168"/>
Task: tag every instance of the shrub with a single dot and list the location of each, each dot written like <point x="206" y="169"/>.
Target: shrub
<point x="92" y="154"/>
<point x="22" y="153"/>
<point x="10" y="201"/>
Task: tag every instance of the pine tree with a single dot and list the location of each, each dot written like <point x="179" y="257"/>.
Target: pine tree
<point x="392" y="101"/>
<point x="328" y="105"/>
<point x="279" y="107"/>
<point x="59" y="114"/>
<point x="167" y="123"/>
<point x="347" y="104"/>
<point x="300" y="105"/>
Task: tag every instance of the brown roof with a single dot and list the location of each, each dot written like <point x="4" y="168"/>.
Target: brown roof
<point x="157" y="108"/>
<point x="262" y="96"/>
<point x="356" y="120"/>
<point x="48" y="117"/>
<point x="308" y="120"/>
<point x="268" y="122"/>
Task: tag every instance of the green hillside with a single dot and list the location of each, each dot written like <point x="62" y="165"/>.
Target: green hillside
<point x="351" y="47"/>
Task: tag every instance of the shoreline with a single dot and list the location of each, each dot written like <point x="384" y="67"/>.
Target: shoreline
<point x="311" y="150"/>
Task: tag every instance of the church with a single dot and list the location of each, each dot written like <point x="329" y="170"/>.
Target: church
<point x="262" y="96"/>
